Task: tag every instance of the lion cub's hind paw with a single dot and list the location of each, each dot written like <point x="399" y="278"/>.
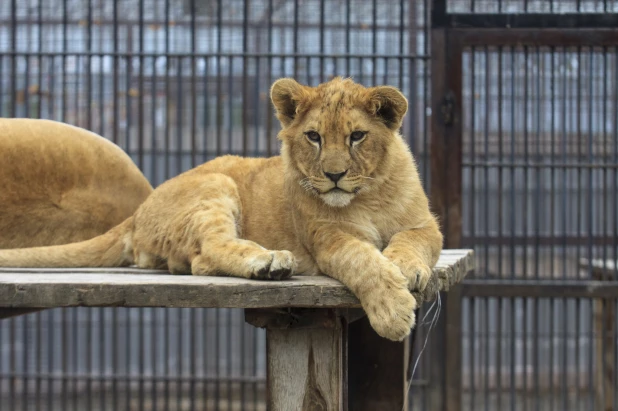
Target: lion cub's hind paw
<point x="273" y="265"/>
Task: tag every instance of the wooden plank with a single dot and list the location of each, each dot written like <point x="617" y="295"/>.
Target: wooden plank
<point x="130" y="287"/>
<point x="306" y="367"/>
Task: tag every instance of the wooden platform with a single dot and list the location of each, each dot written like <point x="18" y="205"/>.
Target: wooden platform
<point x="134" y="287"/>
<point x="316" y="331"/>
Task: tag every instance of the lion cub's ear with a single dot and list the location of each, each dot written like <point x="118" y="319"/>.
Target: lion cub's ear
<point x="287" y="95"/>
<point x="388" y="104"/>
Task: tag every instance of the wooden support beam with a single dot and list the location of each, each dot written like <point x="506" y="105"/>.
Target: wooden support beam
<point x="306" y="358"/>
<point x="377" y="370"/>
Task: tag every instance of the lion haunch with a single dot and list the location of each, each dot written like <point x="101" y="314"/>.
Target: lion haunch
<point x="344" y="198"/>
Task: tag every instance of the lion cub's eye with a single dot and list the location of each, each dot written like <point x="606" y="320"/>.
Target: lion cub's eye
<point x="313" y="136"/>
<point x="357" y="136"/>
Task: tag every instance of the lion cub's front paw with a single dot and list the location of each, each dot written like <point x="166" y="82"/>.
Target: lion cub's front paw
<point x="273" y="265"/>
<point x="390" y="309"/>
<point x="416" y="272"/>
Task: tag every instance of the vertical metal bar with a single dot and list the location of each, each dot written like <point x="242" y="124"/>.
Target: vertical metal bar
<point x="605" y="196"/>
<point x="565" y="176"/>
<point x="230" y="105"/>
<point x="206" y="113"/>
<point x="102" y="348"/>
<point x="256" y="352"/>
<point x="525" y="171"/>
<point x="39" y="355"/>
<point x="295" y="38"/>
<point x="427" y="100"/>
<point x="245" y="83"/>
<point x="194" y="136"/>
<point x="472" y="222"/>
<point x="269" y="114"/>
<point x="167" y="334"/>
<point x="615" y="219"/>
<point x="192" y="361"/>
<point x="179" y="359"/>
<point x="25" y="363"/>
<point x="615" y="192"/>
<point x="257" y="111"/>
<point x="401" y="31"/>
<point x="140" y="118"/>
<point x="564" y="306"/>
<point x="90" y="312"/>
<point x="498" y="316"/>
<point x="348" y="34"/>
<point x="65" y="357"/>
<point x="51" y="325"/>
<point x="218" y="84"/>
<point x="412" y="77"/>
<point x="589" y="219"/>
<point x="128" y="345"/>
<point x="154" y="359"/>
<point x="13" y="59"/>
<point x="243" y="371"/>
<point x="167" y="144"/>
<point x="141" y="344"/>
<point x="218" y="359"/>
<point x="179" y="115"/>
<point x="229" y="358"/>
<point x="75" y="351"/>
<point x="204" y="350"/>
<point x="486" y="213"/>
<point x="154" y="97"/>
<point x="512" y="301"/>
<point x="115" y="80"/>
<point x="322" y="39"/>
<point x="374" y="41"/>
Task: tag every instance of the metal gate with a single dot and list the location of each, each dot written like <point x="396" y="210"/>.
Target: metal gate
<point x="525" y="171"/>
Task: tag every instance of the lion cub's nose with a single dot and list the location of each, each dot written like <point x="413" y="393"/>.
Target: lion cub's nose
<point x="334" y="177"/>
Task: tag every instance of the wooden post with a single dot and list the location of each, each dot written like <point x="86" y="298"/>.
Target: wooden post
<point x="377" y="370"/>
<point x="307" y="358"/>
<point x="605" y="343"/>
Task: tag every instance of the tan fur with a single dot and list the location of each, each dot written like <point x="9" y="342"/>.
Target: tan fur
<point x="60" y="184"/>
<point x="269" y="218"/>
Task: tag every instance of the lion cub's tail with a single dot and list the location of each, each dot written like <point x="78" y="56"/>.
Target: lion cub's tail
<point x="112" y="249"/>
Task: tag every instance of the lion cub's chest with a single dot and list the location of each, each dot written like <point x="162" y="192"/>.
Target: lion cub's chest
<point x="374" y="226"/>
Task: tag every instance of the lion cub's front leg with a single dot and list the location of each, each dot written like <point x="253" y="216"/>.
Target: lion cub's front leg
<point x="416" y="252"/>
<point x="378" y="283"/>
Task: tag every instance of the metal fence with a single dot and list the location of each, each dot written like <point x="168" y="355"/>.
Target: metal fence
<point x="524" y="171"/>
<point x="534" y="193"/>
<point x="175" y="83"/>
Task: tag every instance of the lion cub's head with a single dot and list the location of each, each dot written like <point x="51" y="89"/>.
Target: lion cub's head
<point x="336" y="136"/>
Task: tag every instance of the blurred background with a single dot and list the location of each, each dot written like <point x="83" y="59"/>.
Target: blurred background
<point x="513" y="122"/>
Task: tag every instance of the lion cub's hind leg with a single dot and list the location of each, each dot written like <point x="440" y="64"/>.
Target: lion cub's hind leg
<point x="222" y="252"/>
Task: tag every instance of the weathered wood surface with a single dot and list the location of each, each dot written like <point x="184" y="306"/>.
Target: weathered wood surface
<point x="132" y="287"/>
<point x="307" y="367"/>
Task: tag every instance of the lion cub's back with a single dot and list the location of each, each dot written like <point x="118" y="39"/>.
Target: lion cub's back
<point x="62" y="184"/>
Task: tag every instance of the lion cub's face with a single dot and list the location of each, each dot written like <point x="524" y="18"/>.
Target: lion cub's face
<point x="336" y="136"/>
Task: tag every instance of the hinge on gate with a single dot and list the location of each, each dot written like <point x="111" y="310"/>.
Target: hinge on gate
<point x="447" y="109"/>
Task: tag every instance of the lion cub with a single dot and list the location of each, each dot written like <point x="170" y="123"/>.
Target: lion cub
<point x="344" y="198"/>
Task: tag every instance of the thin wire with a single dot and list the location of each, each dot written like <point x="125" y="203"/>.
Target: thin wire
<point x="432" y="324"/>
